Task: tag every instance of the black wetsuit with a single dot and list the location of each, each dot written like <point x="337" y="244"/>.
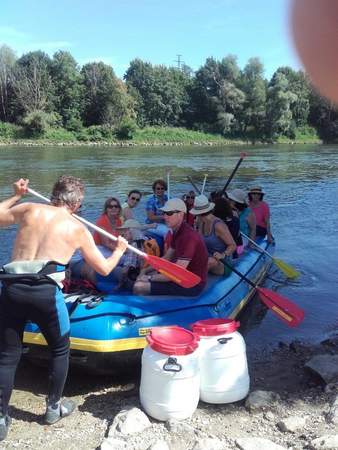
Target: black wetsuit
<point x="40" y="300"/>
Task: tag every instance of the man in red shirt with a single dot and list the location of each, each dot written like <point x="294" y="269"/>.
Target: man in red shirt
<point x="187" y="249"/>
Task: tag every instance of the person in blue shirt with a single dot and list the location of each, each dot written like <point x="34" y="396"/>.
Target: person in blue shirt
<point x="156" y="201"/>
<point x="154" y="205"/>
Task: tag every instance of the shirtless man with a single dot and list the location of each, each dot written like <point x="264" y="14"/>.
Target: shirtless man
<point x="47" y="237"/>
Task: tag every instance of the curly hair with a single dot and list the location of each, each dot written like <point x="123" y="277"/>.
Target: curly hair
<point x="67" y="191"/>
<point x="160" y="182"/>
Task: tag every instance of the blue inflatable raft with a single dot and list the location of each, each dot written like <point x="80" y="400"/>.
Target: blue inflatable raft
<point x="109" y="328"/>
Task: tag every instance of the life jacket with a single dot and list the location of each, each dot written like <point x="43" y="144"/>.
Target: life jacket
<point x="151" y="247"/>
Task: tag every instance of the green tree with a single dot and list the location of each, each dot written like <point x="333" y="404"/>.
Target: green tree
<point x="68" y="88"/>
<point x="324" y="117"/>
<point x="279" y="102"/>
<point x="229" y="105"/>
<point x="32" y="83"/>
<point x="160" y="93"/>
<point x="106" y="99"/>
<point x="204" y="94"/>
<point x="217" y="99"/>
<point x="298" y="84"/>
<point x="254" y="108"/>
<point x="229" y="70"/>
<point x="7" y="62"/>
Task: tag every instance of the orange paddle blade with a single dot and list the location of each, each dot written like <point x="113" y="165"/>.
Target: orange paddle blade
<point x="286" y="310"/>
<point x="176" y="273"/>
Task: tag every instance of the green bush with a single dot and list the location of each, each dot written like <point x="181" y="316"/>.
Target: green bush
<point x="36" y="123"/>
<point x="174" y="134"/>
<point x="126" y="129"/>
<point x="59" y="135"/>
<point x="306" y="132"/>
<point x="82" y="135"/>
<point x="301" y="134"/>
<point x="74" y="124"/>
<point x="9" y="130"/>
<point x="99" y="133"/>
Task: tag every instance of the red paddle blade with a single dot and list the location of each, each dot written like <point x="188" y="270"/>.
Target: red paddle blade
<point x="286" y="310"/>
<point x="176" y="273"/>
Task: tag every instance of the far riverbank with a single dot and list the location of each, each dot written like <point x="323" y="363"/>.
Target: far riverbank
<point x="42" y="143"/>
<point x="148" y="136"/>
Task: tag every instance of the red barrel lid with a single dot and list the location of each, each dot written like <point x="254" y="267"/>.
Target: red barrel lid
<point x="172" y="340"/>
<point x="215" y="327"/>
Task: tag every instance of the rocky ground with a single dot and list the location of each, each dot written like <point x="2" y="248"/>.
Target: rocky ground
<point x="297" y="410"/>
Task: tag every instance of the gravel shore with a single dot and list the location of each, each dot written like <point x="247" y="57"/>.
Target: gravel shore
<point x="298" y="415"/>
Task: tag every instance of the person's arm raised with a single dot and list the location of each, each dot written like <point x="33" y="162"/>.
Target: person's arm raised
<point x="10" y="214"/>
<point x="94" y="257"/>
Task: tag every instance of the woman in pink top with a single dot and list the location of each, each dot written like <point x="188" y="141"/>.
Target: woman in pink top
<point x="262" y="212"/>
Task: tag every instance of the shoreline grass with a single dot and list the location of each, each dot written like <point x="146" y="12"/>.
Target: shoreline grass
<point x="152" y="136"/>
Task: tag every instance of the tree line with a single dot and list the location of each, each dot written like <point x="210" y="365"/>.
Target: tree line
<point x="38" y="91"/>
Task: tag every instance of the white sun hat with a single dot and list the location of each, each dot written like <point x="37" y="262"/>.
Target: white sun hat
<point x="237" y="195"/>
<point x="201" y="205"/>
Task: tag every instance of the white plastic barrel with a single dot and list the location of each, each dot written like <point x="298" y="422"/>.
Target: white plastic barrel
<point x="170" y="378"/>
<point x="223" y="364"/>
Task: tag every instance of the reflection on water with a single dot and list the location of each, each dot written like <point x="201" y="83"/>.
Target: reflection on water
<point x="301" y="183"/>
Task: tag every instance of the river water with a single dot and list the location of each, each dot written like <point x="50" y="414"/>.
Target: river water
<point x="301" y="185"/>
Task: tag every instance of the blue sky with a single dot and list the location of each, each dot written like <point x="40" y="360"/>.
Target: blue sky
<point x="117" y="31"/>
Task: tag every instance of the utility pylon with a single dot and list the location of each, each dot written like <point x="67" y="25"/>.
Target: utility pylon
<point x="179" y="61"/>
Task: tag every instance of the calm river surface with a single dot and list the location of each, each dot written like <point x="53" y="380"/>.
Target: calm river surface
<point x="301" y="185"/>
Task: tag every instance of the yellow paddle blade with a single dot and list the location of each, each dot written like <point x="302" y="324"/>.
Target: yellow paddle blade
<point x="288" y="270"/>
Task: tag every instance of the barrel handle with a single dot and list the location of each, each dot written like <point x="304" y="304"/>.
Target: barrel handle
<point x="171" y="365"/>
<point x="224" y="340"/>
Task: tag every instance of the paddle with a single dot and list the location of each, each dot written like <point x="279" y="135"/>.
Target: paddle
<point x="168" y="184"/>
<point x="194" y="185"/>
<point x="174" y="272"/>
<point x="239" y="162"/>
<point x="288" y="270"/>
<point x="286" y="310"/>
<point x="204" y="181"/>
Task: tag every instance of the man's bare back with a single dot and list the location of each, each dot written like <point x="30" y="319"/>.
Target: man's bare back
<point x="46" y="233"/>
<point x="51" y="233"/>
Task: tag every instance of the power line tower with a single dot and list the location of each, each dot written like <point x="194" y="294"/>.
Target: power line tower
<point x="179" y="62"/>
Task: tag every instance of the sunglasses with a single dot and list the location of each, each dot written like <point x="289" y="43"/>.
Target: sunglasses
<point x="190" y="197"/>
<point x="170" y="213"/>
<point x="137" y="199"/>
<point x="113" y="206"/>
<point x="159" y="188"/>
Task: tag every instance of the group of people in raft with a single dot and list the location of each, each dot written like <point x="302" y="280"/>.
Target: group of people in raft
<point x="199" y="233"/>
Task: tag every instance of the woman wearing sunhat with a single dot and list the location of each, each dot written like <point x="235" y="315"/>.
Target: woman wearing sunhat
<point x="262" y="212"/>
<point x="216" y="235"/>
<point x="247" y="221"/>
